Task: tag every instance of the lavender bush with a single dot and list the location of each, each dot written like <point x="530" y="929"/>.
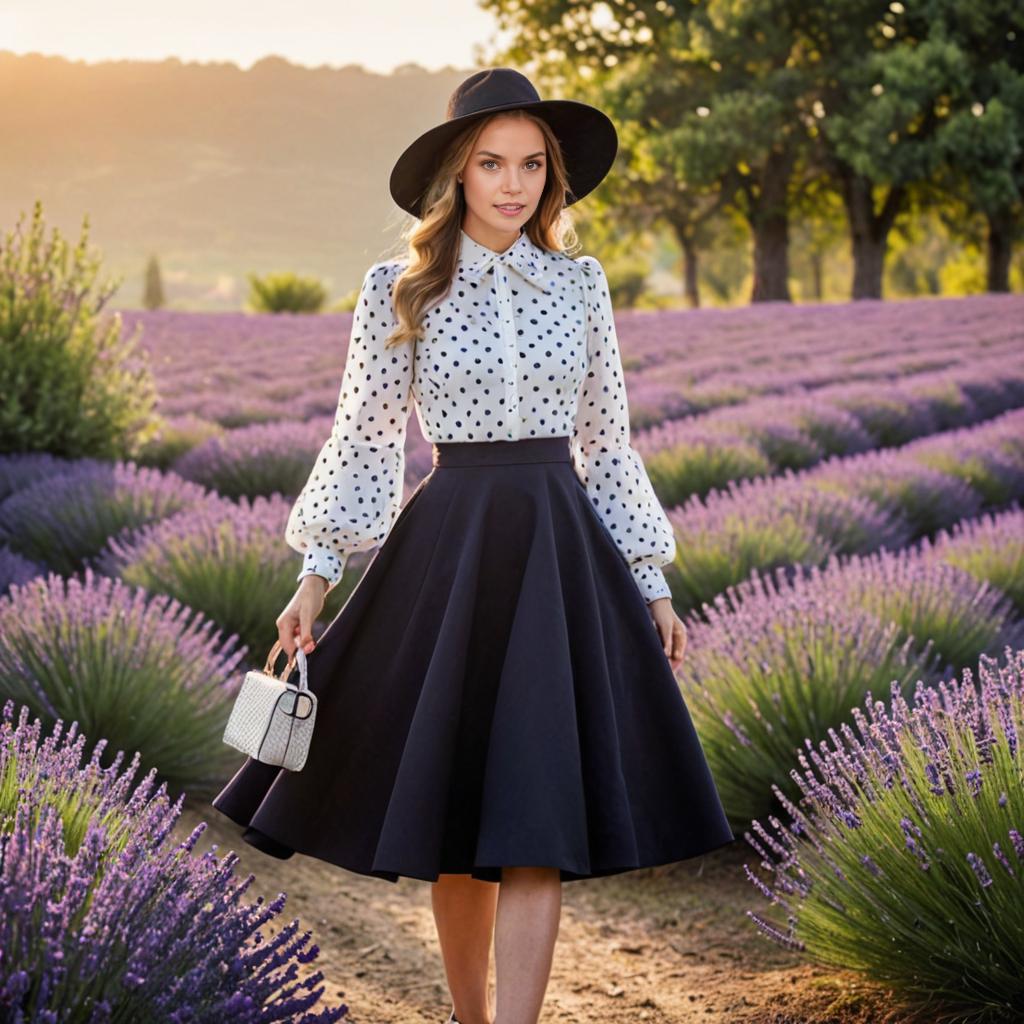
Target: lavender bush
<point x="262" y="459"/>
<point x="990" y="548"/>
<point x="15" y="568"/>
<point x="994" y="469"/>
<point x="926" y="498"/>
<point x="931" y="600"/>
<point x="104" y="919"/>
<point x="684" y="463"/>
<point x="20" y="470"/>
<point x="225" y="559"/>
<point x="761" y="678"/>
<point x="143" y="671"/>
<point x="176" y="436"/>
<point x="889" y="417"/>
<point x="757" y="525"/>
<point x="64" y="519"/>
<point x="904" y="858"/>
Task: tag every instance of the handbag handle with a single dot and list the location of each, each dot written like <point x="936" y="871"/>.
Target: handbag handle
<point x="300" y="654"/>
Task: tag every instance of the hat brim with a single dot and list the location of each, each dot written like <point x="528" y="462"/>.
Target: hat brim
<point x="586" y="135"/>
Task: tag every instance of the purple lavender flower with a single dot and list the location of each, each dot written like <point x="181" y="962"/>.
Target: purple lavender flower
<point x="978" y="867"/>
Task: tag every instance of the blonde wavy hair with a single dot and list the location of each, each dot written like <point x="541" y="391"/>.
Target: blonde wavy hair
<point x="434" y="241"/>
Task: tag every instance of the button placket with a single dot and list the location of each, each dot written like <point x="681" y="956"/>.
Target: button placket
<point x="508" y="329"/>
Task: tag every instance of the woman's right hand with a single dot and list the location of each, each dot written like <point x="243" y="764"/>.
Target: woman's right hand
<point x="300" y="613"/>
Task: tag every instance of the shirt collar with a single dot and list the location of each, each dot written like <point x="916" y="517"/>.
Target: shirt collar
<point x="523" y="257"/>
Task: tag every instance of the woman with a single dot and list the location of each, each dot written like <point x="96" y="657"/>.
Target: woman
<point x="497" y="701"/>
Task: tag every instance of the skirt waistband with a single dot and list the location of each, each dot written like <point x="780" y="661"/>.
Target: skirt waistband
<point x="494" y="453"/>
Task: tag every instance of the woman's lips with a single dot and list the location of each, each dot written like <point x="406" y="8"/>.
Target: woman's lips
<point x="513" y="212"/>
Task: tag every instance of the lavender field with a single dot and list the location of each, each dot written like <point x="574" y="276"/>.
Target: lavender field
<point x="845" y="485"/>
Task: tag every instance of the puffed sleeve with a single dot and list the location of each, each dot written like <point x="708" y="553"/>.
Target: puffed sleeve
<point x="354" y="492"/>
<point x="612" y="471"/>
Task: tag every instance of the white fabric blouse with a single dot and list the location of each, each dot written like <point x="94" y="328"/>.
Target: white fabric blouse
<point x="522" y="345"/>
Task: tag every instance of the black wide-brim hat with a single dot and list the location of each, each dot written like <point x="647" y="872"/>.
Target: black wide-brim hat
<point x="586" y="135"/>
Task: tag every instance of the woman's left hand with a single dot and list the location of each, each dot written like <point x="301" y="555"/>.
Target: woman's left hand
<point x="671" y="630"/>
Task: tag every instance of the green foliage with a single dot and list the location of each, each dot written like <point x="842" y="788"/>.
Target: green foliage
<point x="69" y="384"/>
<point x="683" y="470"/>
<point x="285" y="292"/>
<point x="347" y="303"/>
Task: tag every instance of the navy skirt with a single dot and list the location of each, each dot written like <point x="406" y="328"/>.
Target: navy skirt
<point x="493" y="693"/>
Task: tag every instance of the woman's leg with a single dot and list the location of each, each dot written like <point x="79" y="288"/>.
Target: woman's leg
<point x="529" y="909"/>
<point x="464" y="909"/>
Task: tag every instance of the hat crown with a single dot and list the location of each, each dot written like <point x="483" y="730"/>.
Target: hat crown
<point x="493" y="87"/>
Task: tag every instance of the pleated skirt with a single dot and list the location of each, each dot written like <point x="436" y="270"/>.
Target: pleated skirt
<point x="493" y="693"/>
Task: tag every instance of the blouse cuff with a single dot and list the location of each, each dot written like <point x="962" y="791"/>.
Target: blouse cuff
<point x="651" y="581"/>
<point x="321" y="561"/>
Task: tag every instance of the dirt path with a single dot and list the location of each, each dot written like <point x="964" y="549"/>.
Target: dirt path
<point x="664" y="946"/>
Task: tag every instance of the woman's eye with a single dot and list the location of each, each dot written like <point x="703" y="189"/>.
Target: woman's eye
<point x="535" y="162"/>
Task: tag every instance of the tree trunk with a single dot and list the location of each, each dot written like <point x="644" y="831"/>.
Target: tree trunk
<point x="817" y="274"/>
<point x="770" y="223"/>
<point x="868" y="265"/>
<point x="691" y="263"/>
<point x="1000" y="250"/>
<point x="869" y="231"/>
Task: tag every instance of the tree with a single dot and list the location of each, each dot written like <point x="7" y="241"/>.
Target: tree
<point x="749" y="106"/>
<point x="153" y="292"/>
<point x="982" y="139"/>
<point x="706" y="119"/>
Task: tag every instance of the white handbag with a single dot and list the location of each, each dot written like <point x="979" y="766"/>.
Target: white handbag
<point x="272" y="720"/>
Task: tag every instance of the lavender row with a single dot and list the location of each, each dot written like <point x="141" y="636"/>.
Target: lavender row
<point x="854" y="505"/>
<point x="683" y="458"/>
<point x="783" y="656"/>
<point x="223" y="558"/>
<point x="228" y="368"/>
<point x="67" y="516"/>
<point x="798" y="429"/>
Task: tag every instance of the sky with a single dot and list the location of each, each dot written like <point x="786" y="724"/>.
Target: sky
<point x="379" y="35"/>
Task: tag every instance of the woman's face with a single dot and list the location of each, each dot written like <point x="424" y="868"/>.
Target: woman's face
<point x="508" y="167"/>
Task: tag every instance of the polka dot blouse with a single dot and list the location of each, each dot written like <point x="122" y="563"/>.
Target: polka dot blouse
<point x="523" y="345"/>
